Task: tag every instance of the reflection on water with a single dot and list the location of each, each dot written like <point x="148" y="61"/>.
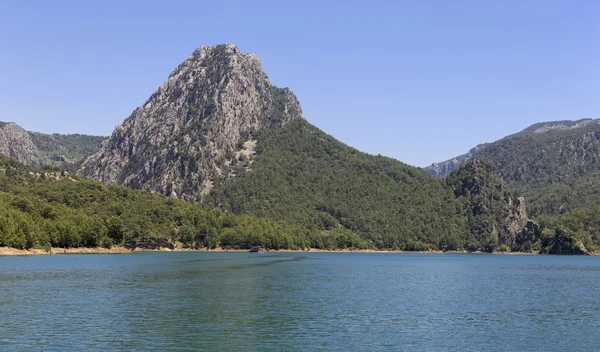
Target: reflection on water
<point x="299" y="302"/>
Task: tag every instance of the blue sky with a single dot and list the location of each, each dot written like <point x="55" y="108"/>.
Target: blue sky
<point x="420" y="81"/>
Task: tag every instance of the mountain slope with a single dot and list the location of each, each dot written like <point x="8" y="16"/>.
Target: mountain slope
<point x="443" y="169"/>
<point x="170" y="145"/>
<point x="65" y="148"/>
<point x="302" y="175"/>
<point x="555" y="165"/>
<point x="44" y="209"/>
<point x="495" y="216"/>
<point x="217" y="130"/>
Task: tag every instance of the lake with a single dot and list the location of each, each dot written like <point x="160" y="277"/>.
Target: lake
<point x="194" y="301"/>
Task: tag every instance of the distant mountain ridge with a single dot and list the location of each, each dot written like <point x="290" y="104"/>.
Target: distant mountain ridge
<point x="558" y="125"/>
<point x="66" y="148"/>
<point x="444" y="168"/>
<point x="39" y="149"/>
<point x="555" y="165"/>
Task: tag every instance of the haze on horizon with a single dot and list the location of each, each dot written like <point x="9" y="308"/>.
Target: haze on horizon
<point x="420" y="82"/>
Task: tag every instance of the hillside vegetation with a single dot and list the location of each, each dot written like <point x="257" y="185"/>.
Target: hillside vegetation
<point x="66" y="148"/>
<point x="217" y="131"/>
<point x="306" y="177"/>
<point x="554" y="165"/>
<point x="557" y="170"/>
<point x="51" y="208"/>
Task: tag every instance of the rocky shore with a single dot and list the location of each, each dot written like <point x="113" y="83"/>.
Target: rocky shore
<point x="123" y="250"/>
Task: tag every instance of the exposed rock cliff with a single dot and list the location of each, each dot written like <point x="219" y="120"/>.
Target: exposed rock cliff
<point x="16" y="143"/>
<point x="216" y="98"/>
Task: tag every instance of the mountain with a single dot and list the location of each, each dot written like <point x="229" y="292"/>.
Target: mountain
<point x="217" y="98"/>
<point x="219" y="132"/>
<point x="554" y="165"/>
<point x="38" y="149"/>
<point x="303" y="176"/>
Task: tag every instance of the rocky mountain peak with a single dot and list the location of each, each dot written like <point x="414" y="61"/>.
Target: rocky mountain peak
<point x="215" y="98"/>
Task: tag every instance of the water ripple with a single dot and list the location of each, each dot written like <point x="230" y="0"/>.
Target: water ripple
<point x="299" y="302"/>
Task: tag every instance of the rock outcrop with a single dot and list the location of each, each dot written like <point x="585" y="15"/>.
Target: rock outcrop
<point x="528" y="239"/>
<point x="517" y="219"/>
<point x="493" y="211"/>
<point x="16" y="143"/>
<point x="564" y="243"/>
<point x="217" y="98"/>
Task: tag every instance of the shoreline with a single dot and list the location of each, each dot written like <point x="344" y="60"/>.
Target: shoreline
<point x="8" y="251"/>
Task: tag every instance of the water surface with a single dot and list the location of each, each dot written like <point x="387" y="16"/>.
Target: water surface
<point x="182" y="301"/>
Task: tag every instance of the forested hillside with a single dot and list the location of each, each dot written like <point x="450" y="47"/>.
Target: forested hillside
<point x="495" y="216"/>
<point x="65" y="148"/>
<point x="218" y="131"/>
<point x="554" y="165"/>
<point x="556" y="169"/>
<point x="52" y="208"/>
<point x="306" y="177"/>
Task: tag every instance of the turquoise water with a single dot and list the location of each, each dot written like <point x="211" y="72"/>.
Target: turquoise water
<point x="181" y="301"/>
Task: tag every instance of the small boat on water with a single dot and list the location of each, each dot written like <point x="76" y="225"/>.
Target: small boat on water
<point x="256" y="249"/>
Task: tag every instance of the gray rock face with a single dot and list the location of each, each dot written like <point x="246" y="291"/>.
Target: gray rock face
<point x="16" y="143"/>
<point x="169" y="145"/>
<point x="516" y="221"/>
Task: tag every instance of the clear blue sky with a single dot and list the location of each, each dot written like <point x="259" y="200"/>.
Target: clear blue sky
<point x="420" y="81"/>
